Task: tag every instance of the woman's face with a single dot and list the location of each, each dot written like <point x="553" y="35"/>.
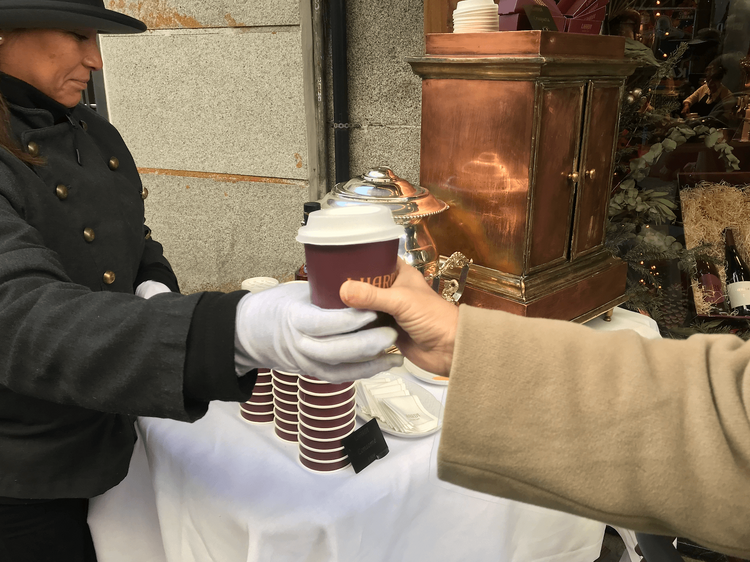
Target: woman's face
<point x="56" y="62"/>
<point x="713" y="84"/>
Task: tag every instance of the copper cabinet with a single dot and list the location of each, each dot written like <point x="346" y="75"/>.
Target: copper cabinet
<point x="518" y="136"/>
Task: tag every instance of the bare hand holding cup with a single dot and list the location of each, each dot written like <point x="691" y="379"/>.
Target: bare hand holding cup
<point x="426" y="323"/>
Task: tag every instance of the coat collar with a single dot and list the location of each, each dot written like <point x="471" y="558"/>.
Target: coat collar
<point x="19" y="93"/>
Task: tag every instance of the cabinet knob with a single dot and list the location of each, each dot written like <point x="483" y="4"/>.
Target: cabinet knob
<point x="573" y="176"/>
<point x="591" y="174"/>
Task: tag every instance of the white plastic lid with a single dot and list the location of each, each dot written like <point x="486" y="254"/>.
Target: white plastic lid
<point x="258" y="284"/>
<point x="342" y="226"/>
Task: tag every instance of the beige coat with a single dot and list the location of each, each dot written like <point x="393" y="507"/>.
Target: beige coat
<point x="651" y="435"/>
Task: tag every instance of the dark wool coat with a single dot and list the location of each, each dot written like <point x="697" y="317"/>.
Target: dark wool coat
<point x="80" y="354"/>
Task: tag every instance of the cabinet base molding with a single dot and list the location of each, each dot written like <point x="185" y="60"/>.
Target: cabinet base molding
<point x="567" y="292"/>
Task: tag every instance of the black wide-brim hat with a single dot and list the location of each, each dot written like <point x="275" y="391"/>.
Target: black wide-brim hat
<point x="66" y="14"/>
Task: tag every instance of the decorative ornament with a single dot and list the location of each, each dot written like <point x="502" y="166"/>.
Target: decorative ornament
<point x="452" y="290"/>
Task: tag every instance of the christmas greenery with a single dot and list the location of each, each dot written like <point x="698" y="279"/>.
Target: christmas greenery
<point x="643" y="207"/>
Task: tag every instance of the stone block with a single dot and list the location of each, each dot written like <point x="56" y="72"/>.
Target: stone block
<point x="395" y="147"/>
<point x="175" y="14"/>
<point x="217" y="231"/>
<point x="219" y="101"/>
<point x="382" y="87"/>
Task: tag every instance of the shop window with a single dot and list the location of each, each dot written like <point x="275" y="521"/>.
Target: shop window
<point x="94" y="96"/>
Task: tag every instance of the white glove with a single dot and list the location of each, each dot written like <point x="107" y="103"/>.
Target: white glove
<point x="148" y="289"/>
<point x="280" y="329"/>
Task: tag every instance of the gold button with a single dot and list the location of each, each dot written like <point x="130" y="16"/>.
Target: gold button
<point x="108" y="277"/>
<point x="114" y="163"/>
<point x="84" y="125"/>
<point x="88" y="235"/>
<point x="33" y="148"/>
<point x="144" y="193"/>
<point x="61" y="191"/>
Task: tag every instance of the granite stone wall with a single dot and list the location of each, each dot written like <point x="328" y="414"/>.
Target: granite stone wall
<point x="210" y="100"/>
<point x="384" y="94"/>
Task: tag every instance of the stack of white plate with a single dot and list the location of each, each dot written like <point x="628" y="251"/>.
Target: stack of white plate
<point x="475" y="16"/>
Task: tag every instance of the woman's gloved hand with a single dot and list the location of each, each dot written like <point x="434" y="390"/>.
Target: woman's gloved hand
<point x="280" y="329"/>
<point x="148" y="289"/>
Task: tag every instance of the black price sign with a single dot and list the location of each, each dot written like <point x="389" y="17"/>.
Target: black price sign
<point x="540" y="17"/>
<point x="365" y="446"/>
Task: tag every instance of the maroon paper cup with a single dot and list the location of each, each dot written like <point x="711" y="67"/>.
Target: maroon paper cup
<point x="322" y="466"/>
<point x="287" y="413"/>
<point x="288" y="388"/>
<point x="260" y="399"/>
<point x="285" y="396"/>
<point x="332" y="433"/>
<point x="283" y="376"/>
<point x="263" y="379"/>
<point x="338" y="450"/>
<point x="264" y="371"/>
<point x="326" y="390"/>
<point x="286" y="426"/>
<point x="263" y="388"/>
<point x="326" y="400"/>
<point x="256" y="418"/>
<point x="324" y="444"/>
<point x="286" y="416"/>
<point x="320" y="414"/>
<point x="328" y="267"/>
<point x="285" y="435"/>
<point x="251" y="408"/>
<point x="327" y="423"/>
<point x="320" y="387"/>
<point x="333" y="455"/>
<point x="319" y="411"/>
<point x="282" y="404"/>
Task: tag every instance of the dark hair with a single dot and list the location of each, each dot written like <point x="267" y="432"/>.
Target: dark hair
<point x="624" y="18"/>
<point x="8" y="142"/>
<point x="715" y="72"/>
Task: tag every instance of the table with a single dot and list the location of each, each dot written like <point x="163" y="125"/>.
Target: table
<point x="223" y="490"/>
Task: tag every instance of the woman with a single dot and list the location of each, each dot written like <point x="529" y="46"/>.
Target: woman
<point x="712" y="98"/>
<point x="650" y="435"/>
<point x="81" y="354"/>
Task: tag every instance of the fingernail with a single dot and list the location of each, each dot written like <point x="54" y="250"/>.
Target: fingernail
<point x="350" y="291"/>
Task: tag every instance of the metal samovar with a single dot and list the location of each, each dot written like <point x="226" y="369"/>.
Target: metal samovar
<point x="410" y="205"/>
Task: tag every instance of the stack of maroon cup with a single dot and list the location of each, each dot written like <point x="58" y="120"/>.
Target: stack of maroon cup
<point x="259" y="409"/>
<point x="326" y="416"/>
<point x="285" y="405"/>
<point x="357" y="242"/>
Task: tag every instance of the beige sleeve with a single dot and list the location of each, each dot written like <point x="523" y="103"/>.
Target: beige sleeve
<point x="651" y="435"/>
<point x="696" y="95"/>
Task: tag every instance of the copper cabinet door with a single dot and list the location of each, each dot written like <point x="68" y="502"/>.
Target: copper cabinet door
<point x="476" y="153"/>
<point x="595" y="173"/>
<point x="559" y="115"/>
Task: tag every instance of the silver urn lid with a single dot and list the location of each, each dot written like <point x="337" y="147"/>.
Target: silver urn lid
<point x="381" y="186"/>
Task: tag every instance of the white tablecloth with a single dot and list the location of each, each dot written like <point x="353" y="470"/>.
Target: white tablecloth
<point x="226" y="491"/>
